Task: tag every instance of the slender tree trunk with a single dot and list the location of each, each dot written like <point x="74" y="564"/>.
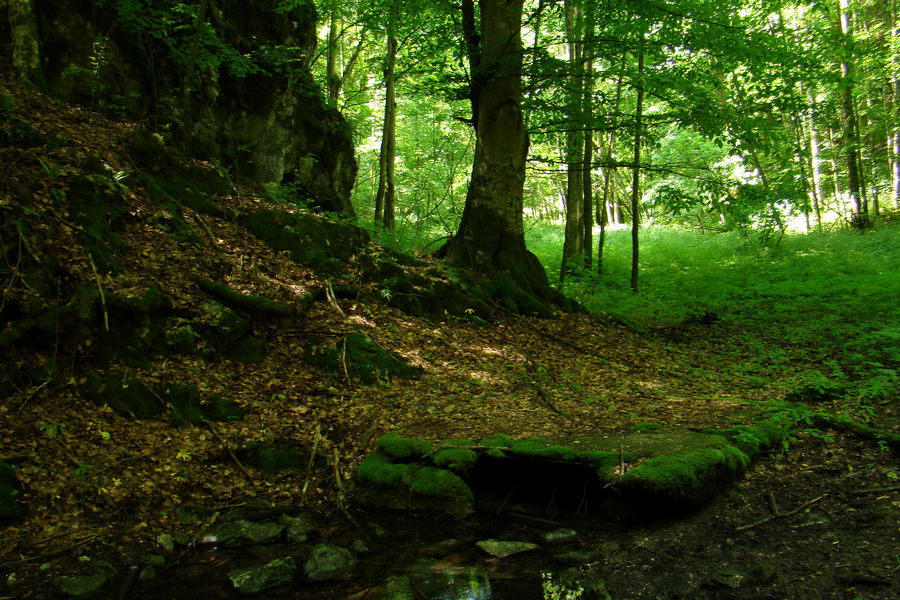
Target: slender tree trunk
<point x="636" y="175"/>
<point x="332" y="79"/>
<point x="385" y="197"/>
<point x="25" y="42"/>
<point x="605" y="210"/>
<point x="848" y="119"/>
<point x="894" y="110"/>
<point x="573" y="247"/>
<point x="814" y="158"/>
<point x="588" y="160"/>
<point x="187" y="111"/>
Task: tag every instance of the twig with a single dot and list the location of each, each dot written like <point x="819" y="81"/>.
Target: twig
<point x="102" y="295"/>
<point x="344" y="359"/>
<point x="31" y="395"/>
<point x="893" y="488"/>
<point x="332" y="299"/>
<point x="209" y="233"/>
<point x="49" y="553"/>
<point x="230" y="453"/>
<point x="309" y="464"/>
<point x="780" y="515"/>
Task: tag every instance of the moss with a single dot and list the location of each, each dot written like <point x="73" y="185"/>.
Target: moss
<point x="431" y="481"/>
<point x="249" y="349"/>
<point x="498" y="440"/>
<point x="455" y="459"/>
<point x="397" y="446"/>
<point x="756" y="439"/>
<point x="605" y="462"/>
<point x="146" y="302"/>
<point x="364" y="359"/>
<point x="377" y="469"/>
<point x="691" y="475"/>
<point x="245" y="301"/>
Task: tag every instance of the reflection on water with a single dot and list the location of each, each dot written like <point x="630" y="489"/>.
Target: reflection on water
<point x="436" y="582"/>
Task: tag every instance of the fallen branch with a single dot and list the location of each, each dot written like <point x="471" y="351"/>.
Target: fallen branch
<point x="778" y="514"/>
<point x="102" y="294"/>
<point x="882" y="490"/>
<point x="230" y="453"/>
<point x="309" y="464"/>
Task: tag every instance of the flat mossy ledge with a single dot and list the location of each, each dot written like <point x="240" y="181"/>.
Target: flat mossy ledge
<point x="421" y="476"/>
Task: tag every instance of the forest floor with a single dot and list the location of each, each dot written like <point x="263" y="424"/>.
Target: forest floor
<point x="96" y="484"/>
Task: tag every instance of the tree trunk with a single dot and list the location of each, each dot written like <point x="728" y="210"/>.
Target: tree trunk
<point x="636" y="176"/>
<point x="187" y="111"/>
<point x="604" y="213"/>
<point x="491" y="235"/>
<point x="587" y="163"/>
<point x="384" y="200"/>
<point x="848" y="120"/>
<point x="573" y="246"/>
<point x="25" y="42"/>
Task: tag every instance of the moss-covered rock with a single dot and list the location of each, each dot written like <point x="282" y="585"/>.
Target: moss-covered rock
<point x="186" y="406"/>
<point x="248" y="302"/>
<point x="248" y="349"/>
<point x="9" y="490"/>
<point x="403" y="448"/>
<point x="314" y="241"/>
<point x="144" y="302"/>
<point x="221" y="327"/>
<point x="363" y="359"/>
<point x="127" y="396"/>
<point x="693" y="475"/>
<point x="274" y="457"/>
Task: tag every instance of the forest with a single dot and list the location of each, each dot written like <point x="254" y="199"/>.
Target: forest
<point x="449" y="299"/>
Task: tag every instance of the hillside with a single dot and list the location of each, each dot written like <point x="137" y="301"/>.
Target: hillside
<point x="134" y="287"/>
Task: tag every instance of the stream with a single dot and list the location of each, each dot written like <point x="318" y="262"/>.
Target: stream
<point x="551" y="556"/>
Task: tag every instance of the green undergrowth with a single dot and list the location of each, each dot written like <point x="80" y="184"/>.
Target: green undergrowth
<point x="819" y="309"/>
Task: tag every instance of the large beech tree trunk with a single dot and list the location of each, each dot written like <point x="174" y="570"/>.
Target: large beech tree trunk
<point x="491" y="235"/>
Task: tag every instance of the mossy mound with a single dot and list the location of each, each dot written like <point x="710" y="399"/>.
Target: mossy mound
<point x="421" y="476"/>
<point x="693" y="475"/>
<point x="132" y="398"/>
<point x="361" y="358"/>
<point x="317" y="242"/>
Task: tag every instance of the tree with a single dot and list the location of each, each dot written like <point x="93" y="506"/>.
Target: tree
<point x="385" y="195"/>
<point x="491" y="236"/>
<point x="25" y="42"/>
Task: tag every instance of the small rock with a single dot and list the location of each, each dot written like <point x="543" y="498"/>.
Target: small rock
<point x="736" y="576"/>
<point x="189" y="514"/>
<point x="238" y="533"/>
<point x="329" y="563"/>
<point x="502" y="549"/>
<point x="83" y="585"/>
<point x="166" y="542"/>
<point x="298" y="529"/>
<point x="559" y="536"/>
<point x="252" y="580"/>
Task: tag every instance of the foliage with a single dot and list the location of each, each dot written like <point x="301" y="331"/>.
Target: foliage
<point x="816" y="298"/>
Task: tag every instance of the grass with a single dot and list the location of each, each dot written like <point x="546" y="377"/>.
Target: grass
<point x="826" y="300"/>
